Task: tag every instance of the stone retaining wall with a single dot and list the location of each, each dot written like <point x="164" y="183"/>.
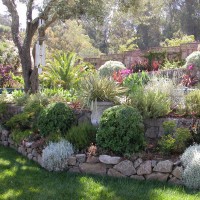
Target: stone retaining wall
<point x="12" y="109"/>
<point x="136" y="167"/>
<point x="154" y="129"/>
<point x="130" y="57"/>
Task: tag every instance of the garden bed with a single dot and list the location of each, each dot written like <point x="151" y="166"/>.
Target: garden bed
<point x="135" y="167"/>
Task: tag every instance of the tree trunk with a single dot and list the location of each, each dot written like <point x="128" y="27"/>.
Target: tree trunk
<point x="30" y="75"/>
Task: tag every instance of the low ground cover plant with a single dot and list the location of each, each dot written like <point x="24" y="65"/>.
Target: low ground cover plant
<point x="191" y="162"/>
<point x="55" y="155"/>
<point x="174" y="139"/>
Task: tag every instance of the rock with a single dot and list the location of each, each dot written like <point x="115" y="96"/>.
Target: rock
<point x="144" y="168"/>
<point x="177" y="172"/>
<point x="5" y="143"/>
<point x="74" y="170"/>
<point x="175" y="181"/>
<point x="134" y="157"/>
<point x="4" y="138"/>
<point x="92" y="159"/>
<point x="109" y="160"/>
<point x="35" y="159"/>
<point x="138" y="177"/>
<point x="137" y="163"/>
<point x="10" y="141"/>
<point x="163" y="166"/>
<point x="153" y="163"/>
<point x="177" y="163"/>
<point x="115" y="173"/>
<point x="95" y="168"/>
<point x="72" y="161"/>
<point x="81" y="158"/>
<point x="30" y="156"/>
<point x="34" y="153"/>
<point x="28" y="144"/>
<point x="5" y="133"/>
<point x="23" y="152"/>
<point x="125" y="167"/>
<point x="152" y="132"/>
<point x="39" y="160"/>
<point x="157" y="176"/>
<point x="19" y="149"/>
<point x="29" y="150"/>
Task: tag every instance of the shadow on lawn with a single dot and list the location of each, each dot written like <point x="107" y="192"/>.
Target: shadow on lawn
<point x="22" y="179"/>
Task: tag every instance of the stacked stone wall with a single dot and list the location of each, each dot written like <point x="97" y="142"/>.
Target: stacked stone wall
<point x="135" y="168"/>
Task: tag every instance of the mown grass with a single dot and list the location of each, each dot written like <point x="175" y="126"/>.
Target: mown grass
<point x="22" y="179"/>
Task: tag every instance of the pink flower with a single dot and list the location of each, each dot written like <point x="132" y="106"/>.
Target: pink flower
<point x="190" y="67"/>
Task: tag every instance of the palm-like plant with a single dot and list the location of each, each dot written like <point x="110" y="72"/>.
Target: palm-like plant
<point x="96" y="88"/>
<point x="63" y="71"/>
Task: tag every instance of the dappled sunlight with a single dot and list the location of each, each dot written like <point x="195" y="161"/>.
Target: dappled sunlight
<point x="34" y="189"/>
<point x="21" y="161"/>
<point x="30" y="168"/>
<point x="10" y="194"/>
<point x="92" y="189"/>
<point x="4" y="162"/>
<point x="8" y="173"/>
<point x="167" y="193"/>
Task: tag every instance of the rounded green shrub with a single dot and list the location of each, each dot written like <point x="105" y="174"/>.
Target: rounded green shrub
<point x="110" y="67"/>
<point x="82" y="136"/>
<point x="56" y="118"/>
<point x="121" y="130"/>
<point x="193" y="59"/>
<point x="191" y="163"/>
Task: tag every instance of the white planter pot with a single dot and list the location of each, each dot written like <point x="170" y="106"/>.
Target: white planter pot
<point x="98" y="110"/>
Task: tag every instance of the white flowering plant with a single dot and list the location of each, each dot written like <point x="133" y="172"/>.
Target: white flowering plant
<point x="191" y="163"/>
<point x="56" y="154"/>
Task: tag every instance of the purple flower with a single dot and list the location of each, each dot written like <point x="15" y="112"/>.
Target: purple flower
<point x="125" y="71"/>
<point x="190" y="67"/>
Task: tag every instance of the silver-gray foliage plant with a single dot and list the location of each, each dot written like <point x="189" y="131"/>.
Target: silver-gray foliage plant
<point x="55" y="155"/>
<point x="191" y="162"/>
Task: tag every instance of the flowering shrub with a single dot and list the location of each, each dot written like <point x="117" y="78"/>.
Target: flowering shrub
<point x="110" y="67"/>
<point x="139" y="66"/>
<point x="120" y="75"/>
<point x="5" y="75"/>
<point x="190" y="78"/>
<point x="193" y="59"/>
<point x="55" y="155"/>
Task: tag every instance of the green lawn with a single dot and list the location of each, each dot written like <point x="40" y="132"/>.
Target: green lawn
<point x="23" y="179"/>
